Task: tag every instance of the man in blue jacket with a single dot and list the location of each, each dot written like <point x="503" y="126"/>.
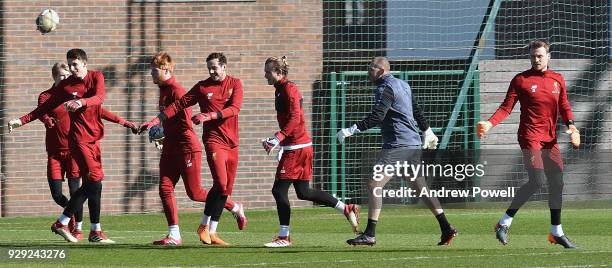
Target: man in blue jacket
<point x="400" y="118"/>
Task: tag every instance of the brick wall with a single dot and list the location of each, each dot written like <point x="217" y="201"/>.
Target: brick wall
<point x="119" y="36"/>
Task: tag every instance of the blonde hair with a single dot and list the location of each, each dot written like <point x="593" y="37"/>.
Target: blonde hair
<point x="57" y="67"/>
<point x="279" y="65"/>
<point x="163" y="61"/>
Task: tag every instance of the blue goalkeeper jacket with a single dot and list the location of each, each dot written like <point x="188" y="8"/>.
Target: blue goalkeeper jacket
<point x="395" y="111"/>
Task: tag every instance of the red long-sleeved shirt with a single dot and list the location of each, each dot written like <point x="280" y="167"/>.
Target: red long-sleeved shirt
<point x="111" y="117"/>
<point x="543" y="97"/>
<point x="179" y="135"/>
<point x="86" y="122"/>
<point x="223" y="98"/>
<point x="290" y="113"/>
<point x="56" y="138"/>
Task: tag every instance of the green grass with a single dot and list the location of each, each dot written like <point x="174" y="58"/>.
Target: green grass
<point x="406" y="236"/>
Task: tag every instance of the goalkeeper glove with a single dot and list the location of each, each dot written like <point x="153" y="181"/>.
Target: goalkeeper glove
<point x="159" y="144"/>
<point x="204" y="117"/>
<point x="482" y="128"/>
<point x="269" y="144"/>
<point x="15" y="123"/>
<point x="347" y="132"/>
<point x="156" y="135"/>
<point x="574" y="136"/>
<point x="74" y="105"/>
<point x="430" y="141"/>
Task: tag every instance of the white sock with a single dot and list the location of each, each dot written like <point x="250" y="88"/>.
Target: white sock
<point x="284" y="231"/>
<point x="63" y="219"/>
<point x="174" y="232"/>
<point x="340" y="206"/>
<point x="556" y="230"/>
<point x="506" y="220"/>
<point x="213" y="227"/>
<point x="79" y="225"/>
<point x="95" y="227"/>
<point x="205" y="219"/>
<point x="236" y="207"/>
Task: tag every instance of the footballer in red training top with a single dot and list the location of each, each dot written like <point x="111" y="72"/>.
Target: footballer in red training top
<point x="543" y="96"/>
<point x="220" y="100"/>
<point x="59" y="160"/>
<point x="181" y="151"/>
<point x="82" y="94"/>
<point x="296" y="154"/>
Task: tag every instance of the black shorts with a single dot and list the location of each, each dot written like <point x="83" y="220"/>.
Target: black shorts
<point x="411" y="154"/>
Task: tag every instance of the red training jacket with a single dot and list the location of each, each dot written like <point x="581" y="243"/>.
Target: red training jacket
<point x="56" y="138"/>
<point x="86" y="122"/>
<point x="290" y="113"/>
<point x="180" y="138"/>
<point x="224" y="98"/>
<point x="543" y="97"/>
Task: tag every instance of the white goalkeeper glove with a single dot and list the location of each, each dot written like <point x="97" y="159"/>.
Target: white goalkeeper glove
<point x="430" y="141"/>
<point x="15" y="123"/>
<point x="347" y="132"/>
<point x="574" y="136"/>
<point x="269" y="144"/>
<point x="482" y="128"/>
<point x="159" y="144"/>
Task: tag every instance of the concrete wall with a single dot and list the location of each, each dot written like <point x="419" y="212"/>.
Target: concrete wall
<point x="587" y="171"/>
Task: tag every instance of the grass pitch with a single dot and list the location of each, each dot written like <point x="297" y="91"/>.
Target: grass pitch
<point x="406" y="236"/>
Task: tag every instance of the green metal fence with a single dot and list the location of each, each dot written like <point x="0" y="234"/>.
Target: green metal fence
<point x="451" y="111"/>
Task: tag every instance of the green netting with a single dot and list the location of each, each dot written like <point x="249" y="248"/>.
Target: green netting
<point x="458" y="57"/>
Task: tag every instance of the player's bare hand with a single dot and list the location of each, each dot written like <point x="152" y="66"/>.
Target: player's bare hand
<point x="73" y="105"/>
<point x="131" y="125"/>
<point x="49" y="121"/>
<point x="204" y="117"/>
<point x="146" y="125"/>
